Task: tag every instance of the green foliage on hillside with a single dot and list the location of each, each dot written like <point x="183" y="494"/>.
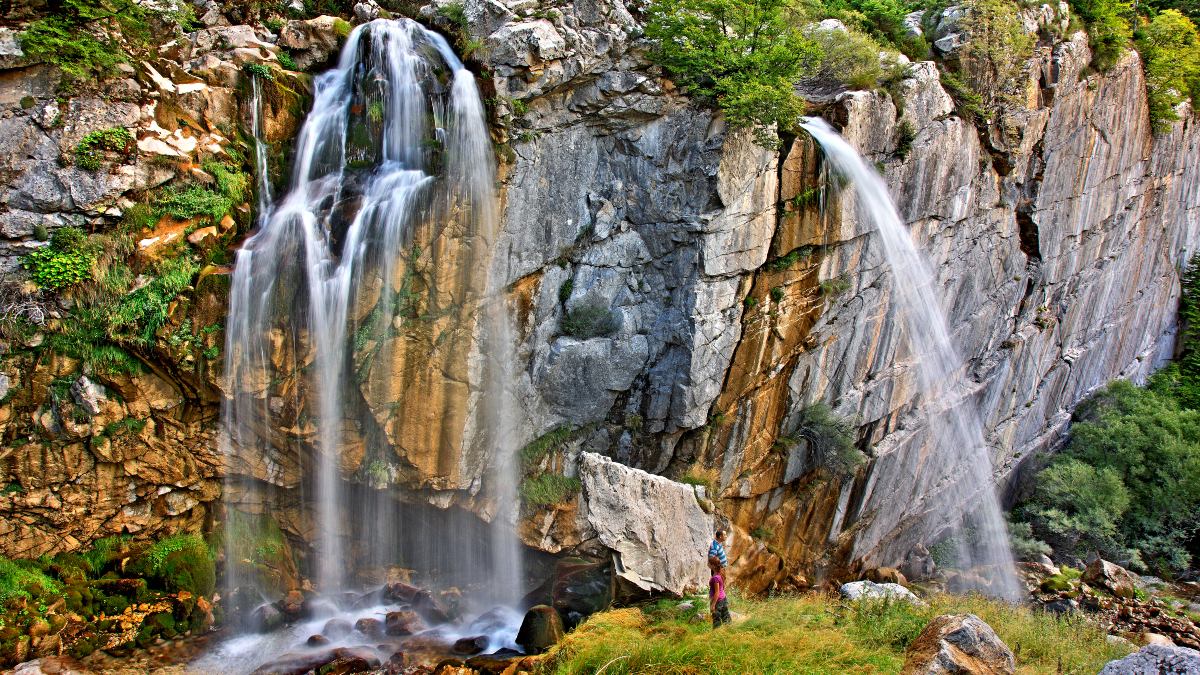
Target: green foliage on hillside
<point x="1170" y="48"/>
<point x="182" y="562"/>
<point x="1128" y="483"/>
<point x="996" y="49"/>
<point x="65" y="262"/>
<point x="830" y="441"/>
<point x="883" y="20"/>
<point x="91" y="148"/>
<point x="1108" y="27"/>
<point x="745" y="55"/>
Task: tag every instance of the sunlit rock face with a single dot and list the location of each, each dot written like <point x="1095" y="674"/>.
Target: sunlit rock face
<point x="725" y="293"/>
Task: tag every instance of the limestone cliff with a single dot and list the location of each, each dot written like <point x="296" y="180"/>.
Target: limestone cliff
<point x="682" y="293"/>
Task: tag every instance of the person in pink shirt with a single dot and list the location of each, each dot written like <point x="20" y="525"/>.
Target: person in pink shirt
<point x="718" y="605"/>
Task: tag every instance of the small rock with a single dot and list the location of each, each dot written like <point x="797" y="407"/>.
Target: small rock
<point x="1111" y="577"/>
<point x="403" y="622"/>
<point x="540" y="630"/>
<point x="470" y="645"/>
<point x="1155" y="660"/>
<point x="1155" y="639"/>
<point x="886" y="575"/>
<point x="89" y="395"/>
<point x="961" y="643"/>
<point x="867" y="590"/>
<point x="1062" y="606"/>
<point x="203" y="235"/>
<point x="337" y="628"/>
<point x="266" y="618"/>
<point x="317" y="640"/>
<point x="373" y="628"/>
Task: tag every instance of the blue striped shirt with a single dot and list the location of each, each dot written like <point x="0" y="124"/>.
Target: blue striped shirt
<point x="719" y="551"/>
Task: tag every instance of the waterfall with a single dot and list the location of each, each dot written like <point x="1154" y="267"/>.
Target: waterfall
<point x="959" y="467"/>
<point x="368" y="275"/>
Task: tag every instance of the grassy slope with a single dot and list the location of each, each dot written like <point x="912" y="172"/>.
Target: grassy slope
<point x="813" y="634"/>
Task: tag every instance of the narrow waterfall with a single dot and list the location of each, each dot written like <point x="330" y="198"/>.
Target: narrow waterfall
<point x="956" y="464"/>
<point x="369" y="350"/>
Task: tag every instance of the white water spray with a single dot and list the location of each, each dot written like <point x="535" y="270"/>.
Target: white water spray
<point x="395" y="152"/>
<point x="959" y="465"/>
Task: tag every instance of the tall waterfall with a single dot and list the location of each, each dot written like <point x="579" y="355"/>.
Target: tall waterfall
<point x="362" y="300"/>
<point x="957" y="465"/>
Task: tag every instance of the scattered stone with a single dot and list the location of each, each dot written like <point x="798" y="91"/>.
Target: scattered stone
<point x="958" y="643"/>
<point x="869" y="590"/>
<point x="88" y="395"/>
<point x="203" y="237"/>
<point x="1111" y="577"/>
<point x="1156" y="660"/>
<point x="470" y="645"/>
<point x="886" y="575"/>
<point x="1062" y="606"/>
<point x="266" y="618"/>
<point x="403" y="622"/>
<point x="317" y="640"/>
<point x="337" y="628"/>
<point x="1154" y="639"/>
<point x="372" y="628"/>
<point x="540" y="630"/>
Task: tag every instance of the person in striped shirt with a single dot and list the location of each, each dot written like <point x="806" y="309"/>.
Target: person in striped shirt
<point x="717" y="549"/>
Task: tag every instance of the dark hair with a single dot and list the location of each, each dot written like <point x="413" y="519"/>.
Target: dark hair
<point x="720" y="533"/>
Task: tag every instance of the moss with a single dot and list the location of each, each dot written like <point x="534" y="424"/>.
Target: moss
<point x="91" y="148"/>
<point x="179" y="563"/>
<point x="24" y="580"/>
<point x="543" y="445"/>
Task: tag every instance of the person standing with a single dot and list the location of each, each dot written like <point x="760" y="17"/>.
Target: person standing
<point x="718" y="604"/>
<point x="717" y="548"/>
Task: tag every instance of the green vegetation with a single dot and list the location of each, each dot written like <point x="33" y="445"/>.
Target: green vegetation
<point x="847" y="57"/>
<point x="141" y="313"/>
<point x="262" y="72"/>
<point x="286" y="61"/>
<point x="745" y="55"/>
<point x="65" y="262"/>
<point x="548" y="489"/>
<point x="881" y="19"/>
<point x="996" y="49"/>
<point x="830" y="441"/>
<point x="1128" y="483"/>
<point x="835" y="286"/>
<point x="536" y="450"/>
<point x="1170" y="47"/>
<point x="589" y="321"/>
<point x="1108" y="27"/>
<point x="182" y="562"/>
<point x="24" y="580"/>
<point x="89" y="151"/>
<point x="814" y="634"/>
<point x="195" y="200"/>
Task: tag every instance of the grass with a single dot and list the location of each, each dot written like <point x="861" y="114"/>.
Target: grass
<point x="813" y="633"/>
<point x="538" y="448"/>
<point x="548" y="489"/>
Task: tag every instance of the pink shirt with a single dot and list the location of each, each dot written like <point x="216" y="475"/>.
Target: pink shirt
<point x="716" y="586"/>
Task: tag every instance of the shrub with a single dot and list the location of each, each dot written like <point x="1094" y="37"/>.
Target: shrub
<point x="1025" y="546"/>
<point x="905" y="135"/>
<point x="286" y="61"/>
<point x="193" y="201"/>
<point x="543" y="445"/>
<point x="996" y="49"/>
<point x="830" y="440"/>
<point x="745" y="55"/>
<point x="92" y="146"/>
<point x="847" y="57"/>
<point x="967" y="102"/>
<point x="141" y="313"/>
<point x="589" y="321"/>
<point x="883" y="20"/>
<point x="342" y="27"/>
<point x="65" y="262"/>
<point x="1108" y="29"/>
<point x="262" y="72"/>
<point x="1170" y="49"/>
<point x="548" y="489"/>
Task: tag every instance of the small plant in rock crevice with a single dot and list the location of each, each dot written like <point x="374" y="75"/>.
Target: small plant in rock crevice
<point x="91" y="147"/>
<point x="589" y="321"/>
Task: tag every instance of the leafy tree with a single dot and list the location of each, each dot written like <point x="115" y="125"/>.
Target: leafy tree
<point x="1170" y="47"/>
<point x="1108" y="28"/>
<point x="996" y="49"/>
<point x="746" y="55"/>
<point x="1077" y="507"/>
<point x="881" y="19"/>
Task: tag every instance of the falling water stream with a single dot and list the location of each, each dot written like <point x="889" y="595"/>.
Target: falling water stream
<point x="958" y="465"/>
<point x="393" y="178"/>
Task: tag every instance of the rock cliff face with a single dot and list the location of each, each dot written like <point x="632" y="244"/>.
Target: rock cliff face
<point x="682" y="294"/>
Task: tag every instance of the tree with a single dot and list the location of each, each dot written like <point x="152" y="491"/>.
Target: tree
<point x="1170" y="48"/>
<point x="746" y="55"/>
<point x="1108" y="28"/>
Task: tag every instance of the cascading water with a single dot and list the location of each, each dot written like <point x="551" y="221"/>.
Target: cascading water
<point x="377" y="246"/>
<point x="957" y="466"/>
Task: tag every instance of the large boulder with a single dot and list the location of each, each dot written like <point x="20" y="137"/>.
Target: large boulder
<point x="1156" y="660"/>
<point x="1111" y="577"/>
<point x="540" y="630"/>
<point x="958" y="643"/>
<point x="655" y="527"/>
<point x="869" y="590"/>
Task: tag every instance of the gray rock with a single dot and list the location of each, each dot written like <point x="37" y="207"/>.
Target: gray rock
<point x="1156" y="660"/>
<point x="961" y="643"/>
<point x="11" y="54"/>
<point x="88" y="395"/>
<point x="869" y="590"/>
<point x="5" y="385"/>
<point x="654" y="526"/>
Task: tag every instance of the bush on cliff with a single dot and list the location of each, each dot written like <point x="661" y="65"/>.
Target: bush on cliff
<point x="1108" y="27"/>
<point x="1170" y="48"/>
<point x="745" y="55"/>
<point x="65" y="262"/>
